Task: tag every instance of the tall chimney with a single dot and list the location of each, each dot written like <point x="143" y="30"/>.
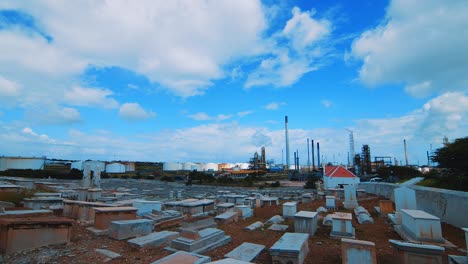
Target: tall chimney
<point x="295" y="159"/>
<point x="406" y="152"/>
<point x="313" y="158"/>
<point x="287" y="143"/>
<point x="308" y="156"/>
<point x="318" y="154"/>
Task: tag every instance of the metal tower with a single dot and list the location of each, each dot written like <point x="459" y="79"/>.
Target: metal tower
<point x="351" y="145"/>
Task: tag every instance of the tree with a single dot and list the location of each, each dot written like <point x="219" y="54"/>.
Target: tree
<point x="453" y="155"/>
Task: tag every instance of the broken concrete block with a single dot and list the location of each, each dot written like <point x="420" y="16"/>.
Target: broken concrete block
<point x="275" y="220"/>
<point x="107" y="253"/>
<point x="125" y="229"/>
<point x="357" y="251"/>
<point x="155" y="239"/>
<point x="254" y="226"/>
<point x="246" y="252"/>
<point x="278" y="227"/>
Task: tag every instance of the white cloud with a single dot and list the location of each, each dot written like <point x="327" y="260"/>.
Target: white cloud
<point x="284" y="65"/>
<point x="421" y="44"/>
<point x="209" y="36"/>
<point x="53" y="116"/>
<point x="8" y="88"/>
<point x="327" y="103"/>
<point x="244" y="113"/>
<point x="82" y="96"/>
<point x="134" y="112"/>
<point x="202" y="116"/>
<point x="274" y="105"/>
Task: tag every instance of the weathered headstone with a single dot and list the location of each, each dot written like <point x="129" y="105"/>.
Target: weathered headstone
<point x="290" y="248"/>
<point x="342" y="226"/>
<point x="350" y="197"/>
<point x="357" y="252"/>
<point x="421" y="226"/>
<point x="330" y="202"/>
<point x="305" y="222"/>
<point x="405" y="198"/>
<point x="410" y="253"/>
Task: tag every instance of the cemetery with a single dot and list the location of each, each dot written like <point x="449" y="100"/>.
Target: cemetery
<point x="141" y="221"/>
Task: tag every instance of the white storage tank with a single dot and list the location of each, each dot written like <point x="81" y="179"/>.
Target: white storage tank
<point x="172" y="166"/>
<point x="22" y="163"/>
<point x="197" y="167"/>
<point x="187" y="166"/>
<point x="243" y="166"/>
<point x="211" y="167"/>
<point x="115" y="168"/>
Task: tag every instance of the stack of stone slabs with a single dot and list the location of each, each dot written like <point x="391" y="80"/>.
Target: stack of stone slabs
<point x="290" y="248"/>
<point x="202" y="241"/>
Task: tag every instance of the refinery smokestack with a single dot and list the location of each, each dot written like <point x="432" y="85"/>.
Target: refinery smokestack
<point x="318" y="154"/>
<point x="313" y="159"/>
<point x="287" y="143"/>
<point x="406" y="152"/>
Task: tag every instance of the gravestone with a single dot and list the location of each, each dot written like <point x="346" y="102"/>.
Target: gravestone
<point x="305" y="222"/>
<point x="350" y="197"/>
<point x="405" y="198"/>
<point x="155" y="239"/>
<point x="289" y="209"/>
<point x="411" y="253"/>
<point x="421" y="226"/>
<point x="342" y="226"/>
<point x="330" y="202"/>
<point x="125" y="229"/>
<point x="205" y="240"/>
<point x="357" y="252"/>
<point x="254" y="226"/>
<point x="290" y="248"/>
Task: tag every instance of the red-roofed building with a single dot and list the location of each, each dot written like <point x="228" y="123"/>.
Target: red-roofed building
<point x="336" y="175"/>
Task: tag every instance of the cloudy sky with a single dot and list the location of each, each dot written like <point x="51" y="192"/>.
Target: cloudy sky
<point x="211" y="81"/>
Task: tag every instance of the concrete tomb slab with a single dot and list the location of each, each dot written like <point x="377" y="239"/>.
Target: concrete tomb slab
<point x="364" y="219"/>
<point x="227" y="217"/>
<point x="246" y="252"/>
<point x="289" y="209"/>
<point x="254" y="226"/>
<point x="207" y="239"/>
<point x="290" y="248"/>
<point x="200" y="224"/>
<point x="411" y="253"/>
<point x="342" y="226"/>
<point x="330" y="202"/>
<point x="421" y="226"/>
<point x="105" y="215"/>
<point x="18" y="234"/>
<point x="146" y="207"/>
<point x="42" y="202"/>
<point x="278" y="227"/>
<point x="244" y="211"/>
<point x="224" y="207"/>
<point x="125" y="229"/>
<point x="183" y="257"/>
<point x="305" y="222"/>
<point x="328" y="220"/>
<point x="357" y="251"/>
<point x="350" y="196"/>
<point x="155" y="239"/>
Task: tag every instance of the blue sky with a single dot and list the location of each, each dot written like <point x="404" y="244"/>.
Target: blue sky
<point x="211" y="81"/>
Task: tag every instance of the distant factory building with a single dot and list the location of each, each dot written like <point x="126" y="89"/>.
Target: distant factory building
<point x="115" y="168"/>
<point x="22" y="163"/>
<point x="335" y="176"/>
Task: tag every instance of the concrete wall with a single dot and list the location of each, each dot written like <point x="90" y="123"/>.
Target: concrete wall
<point x="450" y="206"/>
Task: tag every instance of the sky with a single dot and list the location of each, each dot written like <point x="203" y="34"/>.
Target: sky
<point x="211" y="81"/>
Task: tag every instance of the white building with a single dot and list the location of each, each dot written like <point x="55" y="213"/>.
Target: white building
<point x="334" y="176"/>
<point x="93" y="164"/>
<point x="22" y="163"/>
<point x="115" y="168"/>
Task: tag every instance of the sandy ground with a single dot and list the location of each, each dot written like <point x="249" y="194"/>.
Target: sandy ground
<point x="323" y="249"/>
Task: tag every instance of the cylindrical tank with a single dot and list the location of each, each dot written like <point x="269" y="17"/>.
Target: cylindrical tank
<point x="187" y="166"/>
<point x="115" y="168"/>
<point x="211" y="167"/>
<point x="171" y="166"/>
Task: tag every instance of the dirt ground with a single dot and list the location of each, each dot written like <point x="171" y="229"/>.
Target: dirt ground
<point x="322" y="248"/>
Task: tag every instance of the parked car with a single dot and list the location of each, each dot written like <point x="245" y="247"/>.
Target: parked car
<point x="376" y="179"/>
